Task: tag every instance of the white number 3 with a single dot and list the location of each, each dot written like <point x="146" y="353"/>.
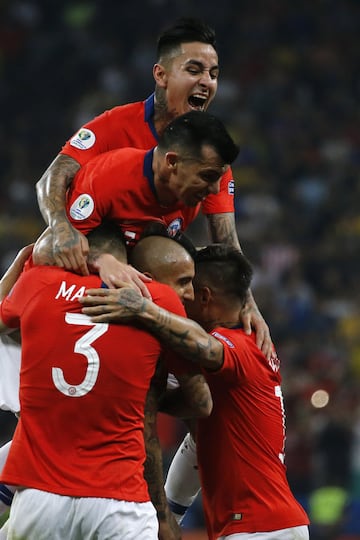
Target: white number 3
<point x="82" y="346"/>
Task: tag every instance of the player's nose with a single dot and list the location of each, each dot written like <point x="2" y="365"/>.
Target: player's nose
<point x="189" y="293"/>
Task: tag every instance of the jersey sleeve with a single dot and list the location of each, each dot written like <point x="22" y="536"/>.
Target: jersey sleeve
<point x="92" y="139"/>
<point x="90" y="195"/>
<point x="12" y="307"/>
<point x="223" y="201"/>
<point x="236" y="357"/>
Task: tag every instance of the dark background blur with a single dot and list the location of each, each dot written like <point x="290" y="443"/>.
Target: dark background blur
<point x="289" y="92"/>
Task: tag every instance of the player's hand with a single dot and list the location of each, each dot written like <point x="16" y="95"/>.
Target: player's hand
<point x="23" y="255"/>
<point x="112" y="305"/>
<point x="117" y="274"/>
<point x="252" y="318"/>
<point x="70" y="248"/>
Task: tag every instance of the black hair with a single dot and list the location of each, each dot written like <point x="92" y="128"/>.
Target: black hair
<point x="106" y="238"/>
<point x="156" y="228"/>
<point x="191" y="131"/>
<point x="224" y="268"/>
<point x="185" y="30"/>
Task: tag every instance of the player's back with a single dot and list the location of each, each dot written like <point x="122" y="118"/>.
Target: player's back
<point x="243" y="473"/>
<point x="82" y="391"/>
<point x="129" y="125"/>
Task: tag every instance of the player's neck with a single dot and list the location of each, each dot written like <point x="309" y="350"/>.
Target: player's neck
<point x="162" y="116"/>
<point x="225" y="319"/>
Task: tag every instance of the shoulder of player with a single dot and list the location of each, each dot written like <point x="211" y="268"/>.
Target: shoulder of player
<point x="123" y="111"/>
<point x="234" y="337"/>
<point x="165" y="297"/>
<point x="244" y="346"/>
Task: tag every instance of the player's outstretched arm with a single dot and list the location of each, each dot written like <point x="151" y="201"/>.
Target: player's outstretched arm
<point x="222" y="229"/>
<point x="183" y="335"/>
<point x="69" y="247"/>
<point x="13" y="272"/>
<point x="11" y="276"/>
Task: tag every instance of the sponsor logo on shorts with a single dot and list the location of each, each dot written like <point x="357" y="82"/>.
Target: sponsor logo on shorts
<point x="231" y="187"/>
<point x="175" y="226"/>
<point x="82" y="207"/>
<point x="83" y="139"/>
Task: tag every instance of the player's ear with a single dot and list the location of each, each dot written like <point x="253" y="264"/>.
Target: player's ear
<point x="172" y="159"/>
<point x="160" y="75"/>
<point x="205" y="295"/>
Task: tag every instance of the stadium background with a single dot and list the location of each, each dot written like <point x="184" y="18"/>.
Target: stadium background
<point x="289" y="92"/>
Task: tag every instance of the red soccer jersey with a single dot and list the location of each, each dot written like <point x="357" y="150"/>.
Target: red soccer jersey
<point x="82" y="390"/>
<point x="132" y="125"/>
<point x="241" y="445"/>
<point x="105" y="188"/>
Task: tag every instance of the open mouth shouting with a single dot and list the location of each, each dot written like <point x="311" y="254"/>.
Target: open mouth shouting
<point x="198" y="102"/>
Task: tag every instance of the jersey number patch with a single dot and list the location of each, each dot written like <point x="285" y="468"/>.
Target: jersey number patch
<point x="82" y="346"/>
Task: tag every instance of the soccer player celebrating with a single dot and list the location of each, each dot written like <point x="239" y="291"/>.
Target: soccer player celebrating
<point x="186" y="78"/>
<point x="240" y="445"/>
<point x="78" y="451"/>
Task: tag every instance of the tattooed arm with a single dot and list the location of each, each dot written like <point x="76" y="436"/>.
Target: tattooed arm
<point x="153" y="469"/>
<point x="184" y="336"/>
<point x="192" y="399"/>
<point x="223" y="230"/>
<point x="69" y="247"/>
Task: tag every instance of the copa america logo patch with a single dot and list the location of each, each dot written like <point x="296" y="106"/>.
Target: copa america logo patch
<point x="82" y="207"/>
<point x="174" y="226"/>
<point x="83" y="139"/>
<point x="231" y="187"/>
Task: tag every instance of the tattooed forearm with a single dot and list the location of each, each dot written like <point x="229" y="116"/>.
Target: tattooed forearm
<point x="43" y="250"/>
<point x="197" y="395"/>
<point x="223" y="230"/>
<point x="183" y="335"/>
<point x="192" y="399"/>
<point x="52" y="186"/>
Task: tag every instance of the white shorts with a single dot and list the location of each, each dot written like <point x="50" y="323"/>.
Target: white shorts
<point x="10" y="360"/>
<point x="39" y="515"/>
<point x="293" y="533"/>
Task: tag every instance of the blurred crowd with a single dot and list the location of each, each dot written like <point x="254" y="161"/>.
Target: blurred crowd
<point x="289" y="91"/>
